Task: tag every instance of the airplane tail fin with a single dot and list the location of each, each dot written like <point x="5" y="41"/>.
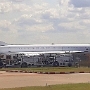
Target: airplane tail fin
<point x="2" y="43"/>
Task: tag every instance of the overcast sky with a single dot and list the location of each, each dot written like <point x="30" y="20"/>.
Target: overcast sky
<point x="44" y="21"/>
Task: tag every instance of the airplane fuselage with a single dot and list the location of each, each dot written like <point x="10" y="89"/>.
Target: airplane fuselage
<point x="44" y="48"/>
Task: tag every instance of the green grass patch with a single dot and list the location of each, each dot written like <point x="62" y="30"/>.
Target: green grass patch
<point x="51" y="69"/>
<point x="82" y="86"/>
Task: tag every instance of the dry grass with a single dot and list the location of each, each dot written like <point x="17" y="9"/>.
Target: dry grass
<point x="83" y="86"/>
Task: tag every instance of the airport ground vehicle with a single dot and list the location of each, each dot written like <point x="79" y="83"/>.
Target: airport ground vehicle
<point x="22" y="60"/>
<point x="57" y="60"/>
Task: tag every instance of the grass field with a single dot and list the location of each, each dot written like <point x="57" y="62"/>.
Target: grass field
<point x="52" y="69"/>
<point x="82" y="86"/>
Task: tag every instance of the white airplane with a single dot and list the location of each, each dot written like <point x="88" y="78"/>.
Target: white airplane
<point x="44" y="48"/>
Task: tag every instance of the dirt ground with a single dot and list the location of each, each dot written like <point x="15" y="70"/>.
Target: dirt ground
<point x="11" y="80"/>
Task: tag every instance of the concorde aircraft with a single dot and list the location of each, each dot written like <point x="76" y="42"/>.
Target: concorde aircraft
<point x="43" y="48"/>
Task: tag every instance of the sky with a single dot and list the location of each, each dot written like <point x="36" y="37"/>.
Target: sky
<point x="45" y="21"/>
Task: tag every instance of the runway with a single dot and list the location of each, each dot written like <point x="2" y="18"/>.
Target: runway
<point x="12" y="80"/>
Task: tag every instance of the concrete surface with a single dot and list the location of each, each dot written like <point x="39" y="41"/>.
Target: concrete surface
<point x="11" y="80"/>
